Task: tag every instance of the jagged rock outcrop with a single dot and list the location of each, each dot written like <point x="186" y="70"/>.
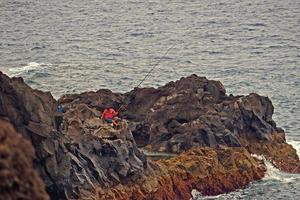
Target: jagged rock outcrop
<point x="98" y="100"/>
<point x="19" y="180"/>
<point x="197" y="112"/>
<point x="73" y="161"/>
<point x="209" y="170"/>
<point x="78" y="164"/>
<point x="30" y="111"/>
<point x="212" y="135"/>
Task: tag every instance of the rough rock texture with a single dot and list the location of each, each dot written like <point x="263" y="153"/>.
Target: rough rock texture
<point x="209" y="170"/>
<point x="18" y="178"/>
<point x="213" y="133"/>
<point x="99" y="100"/>
<point x="197" y="112"/>
<point x="276" y="150"/>
<point x="77" y="164"/>
<point x="30" y="111"/>
<point x="73" y="161"/>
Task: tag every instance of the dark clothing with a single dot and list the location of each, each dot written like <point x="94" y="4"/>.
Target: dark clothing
<point x="57" y="121"/>
<point x="108" y="120"/>
<point x="60" y="109"/>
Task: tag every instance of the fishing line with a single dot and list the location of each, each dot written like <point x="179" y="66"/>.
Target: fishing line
<point x="158" y="62"/>
<point x="148" y="74"/>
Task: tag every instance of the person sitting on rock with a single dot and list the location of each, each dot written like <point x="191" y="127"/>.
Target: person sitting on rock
<point x="110" y="116"/>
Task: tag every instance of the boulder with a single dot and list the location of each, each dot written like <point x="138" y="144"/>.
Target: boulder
<point x="81" y="164"/>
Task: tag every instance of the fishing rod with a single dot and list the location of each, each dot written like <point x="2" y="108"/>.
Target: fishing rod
<point x="152" y="69"/>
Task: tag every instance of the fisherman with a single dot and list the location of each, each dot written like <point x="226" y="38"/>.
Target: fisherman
<point x="110" y="116"/>
<point x="60" y="109"/>
<point x="58" y="117"/>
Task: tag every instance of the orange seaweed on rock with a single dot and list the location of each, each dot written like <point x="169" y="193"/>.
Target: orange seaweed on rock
<point x="211" y="171"/>
<point x="281" y="154"/>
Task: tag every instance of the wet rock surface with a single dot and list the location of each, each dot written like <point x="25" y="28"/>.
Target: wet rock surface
<point x="211" y="134"/>
<point x="209" y="170"/>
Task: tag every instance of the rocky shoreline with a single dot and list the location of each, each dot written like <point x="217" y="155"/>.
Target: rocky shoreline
<point x="211" y="135"/>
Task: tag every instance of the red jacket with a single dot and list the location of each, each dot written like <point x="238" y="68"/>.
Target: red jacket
<point x="109" y="113"/>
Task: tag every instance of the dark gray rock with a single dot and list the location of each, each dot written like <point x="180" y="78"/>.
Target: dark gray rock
<point x="191" y="112"/>
<point x="85" y="154"/>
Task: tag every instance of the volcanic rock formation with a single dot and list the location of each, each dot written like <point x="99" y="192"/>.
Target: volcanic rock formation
<point x="211" y="135"/>
<point x="211" y="171"/>
<point x="73" y="162"/>
<point x="196" y="112"/>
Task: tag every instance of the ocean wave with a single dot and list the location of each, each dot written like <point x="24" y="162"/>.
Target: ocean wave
<point x="272" y="177"/>
<point x="273" y="173"/>
<point x="238" y="194"/>
<point x="296" y="145"/>
<point x="30" y="67"/>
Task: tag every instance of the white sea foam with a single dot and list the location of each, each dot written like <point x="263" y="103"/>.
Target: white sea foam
<point x="32" y="66"/>
<point x="273" y="173"/>
<point x="196" y="195"/>
<point x="296" y="145"/>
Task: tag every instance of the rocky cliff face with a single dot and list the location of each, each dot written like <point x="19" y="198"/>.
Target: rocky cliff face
<point x="18" y="178"/>
<point x="211" y="171"/>
<point x="30" y="111"/>
<point x="72" y="162"/>
<point x="212" y="135"/>
<point x="196" y="112"/>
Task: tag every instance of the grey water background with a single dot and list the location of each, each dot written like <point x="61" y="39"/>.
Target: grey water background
<point x="81" y="45"/>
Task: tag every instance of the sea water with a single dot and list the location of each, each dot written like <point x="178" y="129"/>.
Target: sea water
<point x="250" y="46"/>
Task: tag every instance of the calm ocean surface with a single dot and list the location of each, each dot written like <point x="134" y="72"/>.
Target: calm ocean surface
<point x="80" y="45"/>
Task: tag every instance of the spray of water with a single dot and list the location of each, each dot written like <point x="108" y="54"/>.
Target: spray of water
<point x="30" y="67"/>
<point x="272" y="175"/>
